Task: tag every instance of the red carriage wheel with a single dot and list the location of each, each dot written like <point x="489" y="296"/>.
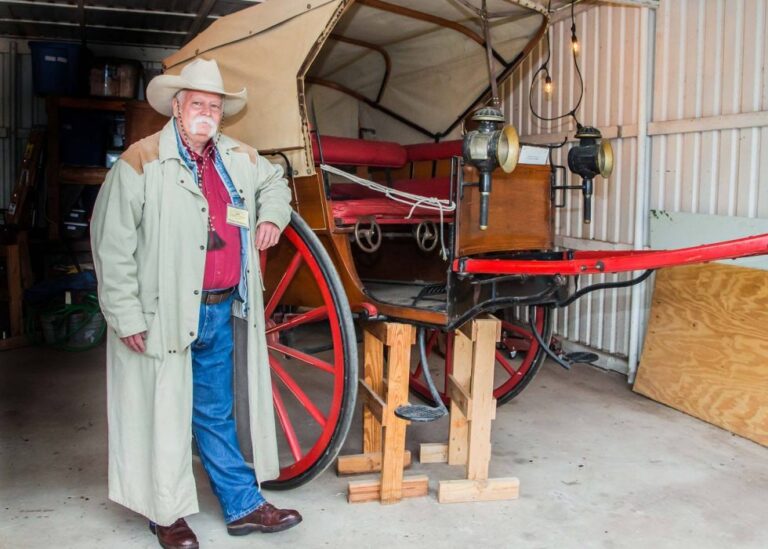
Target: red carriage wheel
<point x="312" y="354"/>
<point x="518" y="357"/>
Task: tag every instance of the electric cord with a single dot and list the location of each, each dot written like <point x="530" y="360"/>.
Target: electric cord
<point x="544" y="68"/>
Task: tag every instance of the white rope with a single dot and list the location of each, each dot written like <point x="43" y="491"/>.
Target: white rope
<point x="433" y="203"/>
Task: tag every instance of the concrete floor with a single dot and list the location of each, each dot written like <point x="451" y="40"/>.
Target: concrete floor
<point x="599" y="467"/>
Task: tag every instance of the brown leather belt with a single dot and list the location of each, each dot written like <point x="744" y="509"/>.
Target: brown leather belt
<point x="214" y="297"/>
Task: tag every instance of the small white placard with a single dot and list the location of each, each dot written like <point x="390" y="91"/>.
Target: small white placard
<point x="533" y="155"/>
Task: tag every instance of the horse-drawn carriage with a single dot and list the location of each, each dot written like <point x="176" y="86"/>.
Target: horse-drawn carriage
<point x="412" y="201"/>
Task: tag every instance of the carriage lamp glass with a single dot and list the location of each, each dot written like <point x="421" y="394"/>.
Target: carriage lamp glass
<point x="591" y="157"/>
<point x="490" y="146"/>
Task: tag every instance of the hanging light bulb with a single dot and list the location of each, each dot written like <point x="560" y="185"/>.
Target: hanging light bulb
<point x="574" y="40"/>
<point x="548" y="86"/>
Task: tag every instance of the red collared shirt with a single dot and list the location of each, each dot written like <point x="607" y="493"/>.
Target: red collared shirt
<point x="222" y="266"/>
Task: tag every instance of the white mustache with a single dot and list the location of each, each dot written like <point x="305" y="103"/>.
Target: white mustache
<point x="202" y="119"/>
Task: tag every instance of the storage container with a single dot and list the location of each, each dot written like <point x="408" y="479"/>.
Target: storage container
<point x="75" y="231"/>
<point x="114" y="78"/>
<point x="58" y="68"/>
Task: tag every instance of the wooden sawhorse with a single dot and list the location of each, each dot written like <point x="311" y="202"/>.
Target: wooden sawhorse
<point x="381" y="391"/>
<point x="470" y="388"/>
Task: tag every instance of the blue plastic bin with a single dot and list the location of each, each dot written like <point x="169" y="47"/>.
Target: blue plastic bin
<point x="58" y="68"/>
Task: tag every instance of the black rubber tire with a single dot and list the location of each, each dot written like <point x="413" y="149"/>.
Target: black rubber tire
<point x="349" y="344"/>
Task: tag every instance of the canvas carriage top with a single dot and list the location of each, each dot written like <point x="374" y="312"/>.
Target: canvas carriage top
<point x="412" y="70"/>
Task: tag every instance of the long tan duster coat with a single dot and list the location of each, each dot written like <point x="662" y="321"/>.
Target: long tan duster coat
<point x="149" y="232"/>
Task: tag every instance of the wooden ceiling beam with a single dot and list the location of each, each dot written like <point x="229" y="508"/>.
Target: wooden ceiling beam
<point x="202" y="15"/>
<point x="81" y="12"/>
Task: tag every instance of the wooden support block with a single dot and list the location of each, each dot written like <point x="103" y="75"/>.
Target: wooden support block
<point x="469" y="329"/>
<point x="483" y="405"/>
<point x="458" y="437"/>
<point x="361" y="491"/>
<point x="399" y="343"/>
<point x="473" y="408"/>
<point x="433" y="452"/>
<point x="457" y="392"/>
<point x="373" y="403"/>
<point x="383" y="390"/>
<point x="373" y="373"/>
<point x="463" y="490"/>
<point x="389" y="332"/>
<point x="365" y="463"/>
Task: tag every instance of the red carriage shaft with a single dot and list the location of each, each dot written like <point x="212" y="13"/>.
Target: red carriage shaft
<point x="596" y="262"/>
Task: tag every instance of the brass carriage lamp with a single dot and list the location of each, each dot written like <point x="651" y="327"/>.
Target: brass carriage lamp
<point x="592" y="156"/>
<point x="490" y="146"/>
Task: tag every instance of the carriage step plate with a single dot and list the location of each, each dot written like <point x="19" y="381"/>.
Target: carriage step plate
<point x="420" y="413"/>
<point x="581" y="358"/>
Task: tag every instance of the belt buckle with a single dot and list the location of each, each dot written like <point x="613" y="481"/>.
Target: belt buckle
<point x="214" y="298"/>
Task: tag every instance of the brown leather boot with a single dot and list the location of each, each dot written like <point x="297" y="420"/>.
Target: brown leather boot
<point x="267" y="518"/>
<point x="176" y="536"/>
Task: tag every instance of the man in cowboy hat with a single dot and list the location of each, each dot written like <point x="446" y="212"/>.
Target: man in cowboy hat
<point x="174" y="231"/>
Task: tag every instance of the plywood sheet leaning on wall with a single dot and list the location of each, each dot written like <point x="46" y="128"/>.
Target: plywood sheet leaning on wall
<point x="706" y="351"/>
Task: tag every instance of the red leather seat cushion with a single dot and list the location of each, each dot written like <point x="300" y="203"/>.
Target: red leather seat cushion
<point x="436" y="186"/>
<point x="359" y="152"/>
<point x="433" y="151"/>
<point x="386" y="211"/>
<point x="439" y="187"/>
<point x="346" y="191"/>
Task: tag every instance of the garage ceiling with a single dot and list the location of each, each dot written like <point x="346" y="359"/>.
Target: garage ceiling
<point x="167" y="23"/>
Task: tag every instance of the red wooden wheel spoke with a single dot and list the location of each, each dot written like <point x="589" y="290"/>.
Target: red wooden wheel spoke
<point x="320" y="313"/>
<point x="285" y="423"/>
<point x="505" y="363"/>
<point x="432" y="340"/>
<point x="304" y="357"/>
<point x="300" y="395"/>
<point x="302" y="291"/>
<point x="286" y="279"/>
<point x="520" y="332"/>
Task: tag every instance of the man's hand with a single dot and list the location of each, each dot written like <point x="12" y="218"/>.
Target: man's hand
<point x="267" y="235"/>
<point x="135" y="342"/>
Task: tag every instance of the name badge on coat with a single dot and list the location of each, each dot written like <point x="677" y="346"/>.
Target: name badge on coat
<point x="237" y="216"/>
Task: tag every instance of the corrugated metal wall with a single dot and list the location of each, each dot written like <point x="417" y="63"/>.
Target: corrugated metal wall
<point x="710" y="70"/>
<point x="707" y="129"/>
<point x="609" y="59"/>
<point x="29" y="111"/>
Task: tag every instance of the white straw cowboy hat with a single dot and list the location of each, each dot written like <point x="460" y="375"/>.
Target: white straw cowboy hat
<point x="199" y="75"/>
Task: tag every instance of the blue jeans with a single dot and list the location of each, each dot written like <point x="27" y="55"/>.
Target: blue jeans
<point x="213" y="424"/>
